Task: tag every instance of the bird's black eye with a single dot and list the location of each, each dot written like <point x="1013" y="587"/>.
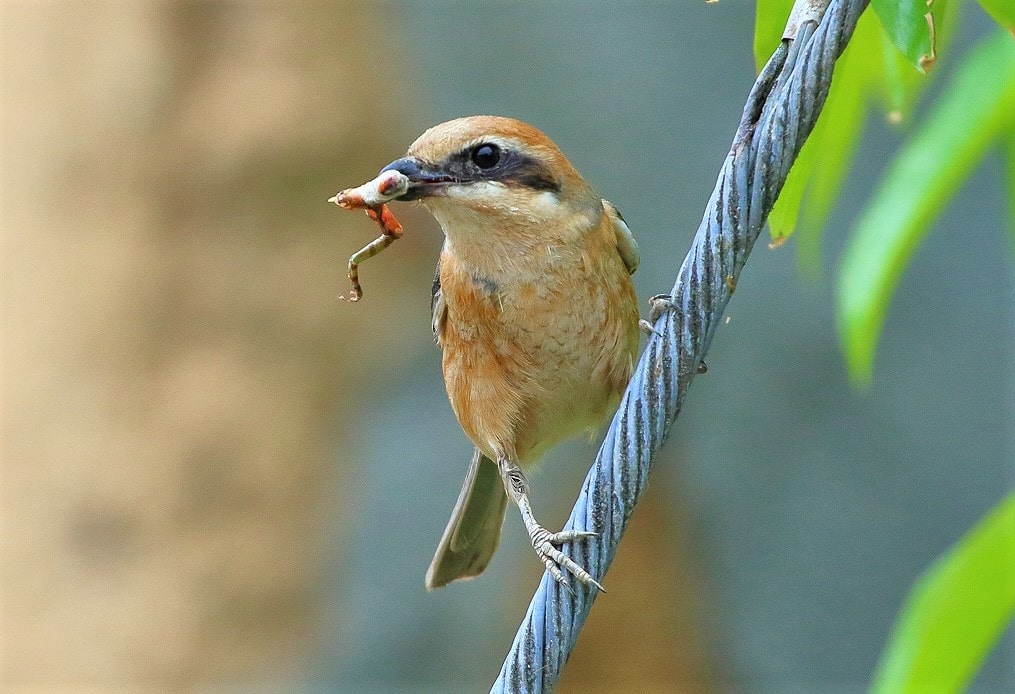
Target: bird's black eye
<point x="485" y="156"/>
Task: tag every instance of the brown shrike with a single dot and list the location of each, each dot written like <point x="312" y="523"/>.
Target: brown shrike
<point x="535" y="312"/>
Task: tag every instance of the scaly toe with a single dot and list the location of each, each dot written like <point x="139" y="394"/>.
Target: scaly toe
<point x="569" y="536"/>
<point x="558" y="575"/>
<point x="648" y="328"/>
<point x="555" y="560"/>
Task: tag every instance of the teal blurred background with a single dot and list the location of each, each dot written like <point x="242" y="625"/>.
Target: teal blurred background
<point x="216" y="475"/>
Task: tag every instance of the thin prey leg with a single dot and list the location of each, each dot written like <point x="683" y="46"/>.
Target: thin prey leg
<point x="391" y="231"/>
<point x="543" y="541"/>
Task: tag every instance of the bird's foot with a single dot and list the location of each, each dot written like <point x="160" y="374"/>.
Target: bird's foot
<point x="658" y="305"/>
<point x="545" y="543"/>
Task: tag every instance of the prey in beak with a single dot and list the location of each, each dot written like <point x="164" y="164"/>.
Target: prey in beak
<point x="404" y="179"/>
<point x="373" y="197"/>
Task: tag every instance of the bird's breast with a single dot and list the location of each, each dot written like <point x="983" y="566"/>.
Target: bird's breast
<point x="533" y="357"/>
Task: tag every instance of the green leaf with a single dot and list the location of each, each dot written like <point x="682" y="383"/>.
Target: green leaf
<point x="910" y="25"/>
<point x="783" y="217"/>
<point x="955" y="612"/>
<point x="973" y="110"/>
<point x="836" y="134"/>
<point x="1003" y="12"/>
<point x="821" y="165"/>
<point x="769" y="24"/>
<point x="900" y="82"/>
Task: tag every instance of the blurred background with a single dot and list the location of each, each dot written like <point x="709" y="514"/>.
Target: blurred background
<point x="218" y="476"/>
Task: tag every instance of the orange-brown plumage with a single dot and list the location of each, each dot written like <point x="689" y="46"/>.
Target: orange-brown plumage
<point x="529" y="362"/>
<point x="535" y="313"/>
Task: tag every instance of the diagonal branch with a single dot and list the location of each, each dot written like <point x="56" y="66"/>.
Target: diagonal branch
<point x="779" y="115"/>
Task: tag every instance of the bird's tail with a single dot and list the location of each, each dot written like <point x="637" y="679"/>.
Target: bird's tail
<point x="473" y="532"/>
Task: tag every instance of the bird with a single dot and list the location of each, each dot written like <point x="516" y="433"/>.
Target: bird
<point x="536" y="315"/>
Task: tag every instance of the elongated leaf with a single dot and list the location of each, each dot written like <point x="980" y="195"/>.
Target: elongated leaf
<point x="1003" y="12"/>
<point x="769" y="23"/>
<point x="822" y="162"/>
<point x="783" y="217"/>
<point x="955" y="613"/>
<point x="900" y="81"/>
<point x="971" y="113"/>
<point x="769" y="26"/>
<point x="839" y="143"/>
<point x="838" y="132"/>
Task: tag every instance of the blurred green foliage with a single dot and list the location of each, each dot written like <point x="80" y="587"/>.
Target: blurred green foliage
<point x="975" y="109"/>
<point x="955" y="612"/>
<point x="1003" y="12"/>
<point x="959" y="608"/>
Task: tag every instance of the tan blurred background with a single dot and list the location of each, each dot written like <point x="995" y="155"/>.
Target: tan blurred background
<point x="173" y="368"/>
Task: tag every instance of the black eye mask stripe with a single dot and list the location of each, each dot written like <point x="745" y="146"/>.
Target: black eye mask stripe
<point x="512" y="169"/>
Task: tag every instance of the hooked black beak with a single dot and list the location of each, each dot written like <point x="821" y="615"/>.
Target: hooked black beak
<point x="424" y="180"/>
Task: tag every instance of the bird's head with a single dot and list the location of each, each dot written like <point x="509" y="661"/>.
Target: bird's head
<point x="494" y="173"/>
